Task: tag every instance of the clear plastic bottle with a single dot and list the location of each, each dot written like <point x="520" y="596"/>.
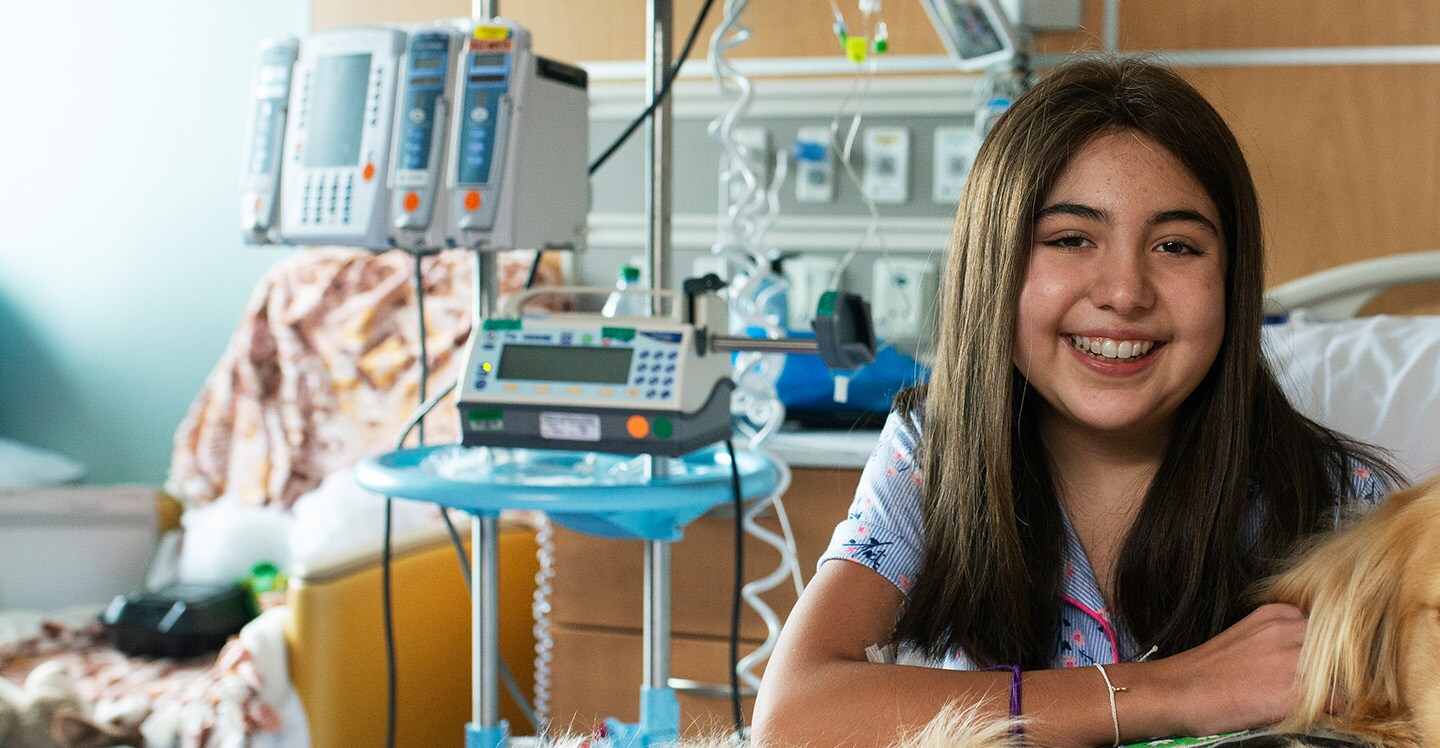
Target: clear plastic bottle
<point x="625" y="304"/>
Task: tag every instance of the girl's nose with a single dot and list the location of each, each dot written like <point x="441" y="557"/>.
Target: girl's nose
<point x="1120" y="281"/>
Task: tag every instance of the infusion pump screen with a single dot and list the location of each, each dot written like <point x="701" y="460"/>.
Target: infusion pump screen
<point x="543" y="362"/>
<point x="338" y="110"/>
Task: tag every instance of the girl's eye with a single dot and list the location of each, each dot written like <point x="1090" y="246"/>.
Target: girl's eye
<point x="1068" y="242"/>
<point x="1177" y="248"/>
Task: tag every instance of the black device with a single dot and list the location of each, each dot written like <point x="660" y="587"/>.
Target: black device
<point x="180" y="620"/>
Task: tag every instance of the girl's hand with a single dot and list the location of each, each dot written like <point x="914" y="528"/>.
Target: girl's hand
<point x="1245" y="677"/>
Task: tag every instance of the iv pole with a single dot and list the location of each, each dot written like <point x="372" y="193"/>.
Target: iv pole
<point x="659" y="709"/>
<point x="485" y="728"/>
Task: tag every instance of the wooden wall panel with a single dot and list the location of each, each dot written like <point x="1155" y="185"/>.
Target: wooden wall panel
<point x="615" y="30"/>
<point x="1244" y="24"/>
<point x="1346" y="159"/>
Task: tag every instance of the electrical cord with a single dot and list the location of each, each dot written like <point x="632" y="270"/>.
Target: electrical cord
<point x="416" y="423"/>
<point x="664" y="91"/>
<point x="739" y="584"/>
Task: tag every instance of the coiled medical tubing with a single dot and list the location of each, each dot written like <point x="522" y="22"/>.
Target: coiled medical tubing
<point x="750" y="208"/>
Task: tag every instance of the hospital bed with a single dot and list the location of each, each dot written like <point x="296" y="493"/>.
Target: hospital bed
<point x="1377" y="378"/>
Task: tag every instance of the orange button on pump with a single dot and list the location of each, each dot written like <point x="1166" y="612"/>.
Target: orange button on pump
<point x="637" y="426"/>
<point x="257" y="203"/>
<point x="368" y="172"/>
<point x="472" y="200"/>
<point x="412" y="201"/>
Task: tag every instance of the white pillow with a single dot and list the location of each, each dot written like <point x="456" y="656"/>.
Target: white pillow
<point x="24" y="466"/>
<point x="1375" y="379"/>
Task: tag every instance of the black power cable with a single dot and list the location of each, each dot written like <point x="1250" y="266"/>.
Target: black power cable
<point x="660" y="95"/>
<point x="735" y="602"/>
<point x="386" y="582"/>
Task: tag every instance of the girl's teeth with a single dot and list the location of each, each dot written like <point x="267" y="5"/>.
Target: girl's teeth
<point x="1112" y="349"/>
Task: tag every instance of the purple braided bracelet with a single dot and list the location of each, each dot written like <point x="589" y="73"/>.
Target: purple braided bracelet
<point x="1014" y="692"/>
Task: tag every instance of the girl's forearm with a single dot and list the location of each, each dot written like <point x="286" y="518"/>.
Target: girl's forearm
<point x="863" y="704"/>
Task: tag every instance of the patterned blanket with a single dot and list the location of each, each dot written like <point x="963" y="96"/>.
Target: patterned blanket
<point x="324" y="370"/>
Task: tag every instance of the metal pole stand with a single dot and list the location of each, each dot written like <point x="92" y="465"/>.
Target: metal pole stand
<point x="485" y="729"/>
<point x="659" y="708"/>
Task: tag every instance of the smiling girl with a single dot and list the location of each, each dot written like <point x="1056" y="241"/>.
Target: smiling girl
<point x="1101" y="465"/>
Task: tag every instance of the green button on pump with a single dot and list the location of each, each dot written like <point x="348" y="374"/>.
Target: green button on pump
<point x="662" y="428"/>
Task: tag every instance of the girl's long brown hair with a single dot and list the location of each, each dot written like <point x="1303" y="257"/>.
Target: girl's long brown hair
<point x="990" y="578"/>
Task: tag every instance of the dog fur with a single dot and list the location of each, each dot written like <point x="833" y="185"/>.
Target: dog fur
<point x="1372" y="594"/>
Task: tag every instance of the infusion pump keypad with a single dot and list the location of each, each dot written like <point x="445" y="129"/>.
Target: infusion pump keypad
<point x="614" y="365"/>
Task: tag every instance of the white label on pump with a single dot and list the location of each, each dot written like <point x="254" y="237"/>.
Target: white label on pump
<point x="570" y="426"/>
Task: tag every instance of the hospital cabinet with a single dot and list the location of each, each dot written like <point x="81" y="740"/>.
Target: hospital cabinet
<point x="598" y="594"/>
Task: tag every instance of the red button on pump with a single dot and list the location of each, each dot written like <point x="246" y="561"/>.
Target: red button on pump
<point x="472" y="200"/>
<point x="412" y="201"/>
<point x="369" y="172"/>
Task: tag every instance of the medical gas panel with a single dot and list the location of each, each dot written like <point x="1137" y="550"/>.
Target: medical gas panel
<point x="519" y="146"/>
<point x="338" y="138"/>
<point x="264" y="140"/>
<point x="422" y="125"/>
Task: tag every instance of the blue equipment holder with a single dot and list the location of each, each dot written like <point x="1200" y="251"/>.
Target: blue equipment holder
<point x="596" y="493"/>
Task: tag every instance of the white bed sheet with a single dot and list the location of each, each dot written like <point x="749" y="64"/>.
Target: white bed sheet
<point x="1376" y="379"/>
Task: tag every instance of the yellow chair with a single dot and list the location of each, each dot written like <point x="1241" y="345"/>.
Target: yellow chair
<point x="336" y="642"/>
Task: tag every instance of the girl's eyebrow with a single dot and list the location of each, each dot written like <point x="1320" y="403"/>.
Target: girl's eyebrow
<point x="1096" y="214"/>
<point x="1187" y="216"/>
<point x="1073" y="209"/>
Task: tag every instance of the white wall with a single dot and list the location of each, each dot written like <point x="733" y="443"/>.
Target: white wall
<point x="122" y="273"/>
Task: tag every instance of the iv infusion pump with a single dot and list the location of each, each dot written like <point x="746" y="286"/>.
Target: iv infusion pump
<point x="446" y="135"/>
<point x="420" y="138"/>
<point x="264" y="138"/>
<point x="337" y="138"/>
<point x="519" y="174"/>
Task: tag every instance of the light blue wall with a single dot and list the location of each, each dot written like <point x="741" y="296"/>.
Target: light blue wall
<point x="122" y="273"/>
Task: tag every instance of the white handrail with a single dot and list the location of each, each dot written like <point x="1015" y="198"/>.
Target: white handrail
<point x="1340" y="292"/>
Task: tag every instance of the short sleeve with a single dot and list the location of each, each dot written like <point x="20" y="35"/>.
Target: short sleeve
<point x="883" y="528"/>
<point x="1366" y="491"/>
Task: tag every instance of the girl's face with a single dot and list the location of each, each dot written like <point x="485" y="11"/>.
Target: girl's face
<point x="1122" y="308"/>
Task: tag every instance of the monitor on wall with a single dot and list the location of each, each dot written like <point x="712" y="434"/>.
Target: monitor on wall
<point x="976" y="33"/>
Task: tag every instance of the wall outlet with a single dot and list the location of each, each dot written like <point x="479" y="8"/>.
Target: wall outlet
<point x="810" y="276"/>
<point x="955" y="149"/>
<point x="814" y="166"/>
<point x="903" y="302"/>
<point x="887" y="165"/>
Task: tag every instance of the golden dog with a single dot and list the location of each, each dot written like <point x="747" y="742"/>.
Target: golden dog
<point x="1372" y="594"/>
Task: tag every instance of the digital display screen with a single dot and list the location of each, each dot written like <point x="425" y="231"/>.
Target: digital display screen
<point x="487" y="79"/>
<point x="427" y="81"/>
<point x="428" y="63"/>
<point x="971" y="32"/>
<point x="337" y="112"/>
<point x="564" y="363"/>
<point x="480" y="60"/>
